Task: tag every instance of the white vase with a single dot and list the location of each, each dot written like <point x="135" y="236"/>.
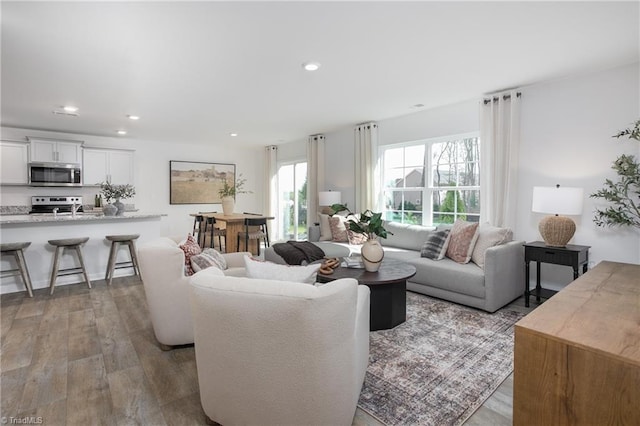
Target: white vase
<point x="228" y="204"/>
<point x="372" y="254"/>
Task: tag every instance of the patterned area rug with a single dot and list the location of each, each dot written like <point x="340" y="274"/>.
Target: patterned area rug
<point x="439" y="366"/>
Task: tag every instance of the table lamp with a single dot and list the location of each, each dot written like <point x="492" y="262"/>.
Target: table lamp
<point x="328" y="198"/>
<point x="557" y="230"/>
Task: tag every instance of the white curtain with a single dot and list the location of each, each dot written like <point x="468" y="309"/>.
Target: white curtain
<point x="271" y="188"/>
<point x="499" y="147"/>
<point x="366" y="145"/>
<point x="315" y="175"/>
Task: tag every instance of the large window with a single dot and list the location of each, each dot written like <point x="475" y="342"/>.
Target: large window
<point x="450" y="188"/>
<point x="292" y="201"/>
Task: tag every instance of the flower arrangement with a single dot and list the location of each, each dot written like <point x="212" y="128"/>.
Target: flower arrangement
<point x="232" y="190"/>
<point x="369" y="223"/>
<point x="116" y="192"/>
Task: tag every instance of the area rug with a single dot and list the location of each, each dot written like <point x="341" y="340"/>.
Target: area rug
<point x="439" y="366"/>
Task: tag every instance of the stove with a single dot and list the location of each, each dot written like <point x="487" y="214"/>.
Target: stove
<point x="46" y="204"/>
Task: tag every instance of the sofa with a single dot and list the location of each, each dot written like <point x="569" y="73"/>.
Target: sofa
<point x="162" y="264"/>
<point x="498" y="282"/>
<point x="277" y="352"/>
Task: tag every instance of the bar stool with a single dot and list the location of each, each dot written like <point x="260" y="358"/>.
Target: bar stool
<point x="16" y="250"/>
<point x="116" y="240"/>
<point x="60" y="245"/>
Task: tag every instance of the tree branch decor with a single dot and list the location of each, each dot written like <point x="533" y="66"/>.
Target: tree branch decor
<point x="624" y="194"/>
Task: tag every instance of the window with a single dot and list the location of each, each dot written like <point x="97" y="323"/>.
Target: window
<point x="292" y="201"/>
<point x="450" y="188"/>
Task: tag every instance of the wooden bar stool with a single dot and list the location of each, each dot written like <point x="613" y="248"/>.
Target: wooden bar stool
<point x="60" y="245"/>
<point x="112" y="265"/>
<point x="16" y="250"/>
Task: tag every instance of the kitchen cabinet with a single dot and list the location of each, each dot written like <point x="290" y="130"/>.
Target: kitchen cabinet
<point x="14" y="157"/>
<point x="107" y="165"/>
<point x="54" y="150"/>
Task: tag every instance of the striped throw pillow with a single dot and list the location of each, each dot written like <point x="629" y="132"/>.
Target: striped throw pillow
<point x="435" y="247"/>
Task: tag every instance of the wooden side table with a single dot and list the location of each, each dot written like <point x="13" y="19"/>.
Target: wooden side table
<point x="539" y="252"/>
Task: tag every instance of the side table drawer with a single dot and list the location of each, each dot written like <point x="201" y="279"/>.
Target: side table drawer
<point x="556" y="257"/>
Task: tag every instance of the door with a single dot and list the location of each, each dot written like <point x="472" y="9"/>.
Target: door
<point x="43" y="151"/>
<point x="13" y="163"/>
<point x="95" y="166"/>
<point x="121" y="167"/>
<point x="292" y="201"/>
<point x="68" y="152"/>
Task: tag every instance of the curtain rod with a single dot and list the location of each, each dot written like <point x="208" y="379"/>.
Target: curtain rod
<point x="504" y="98"/>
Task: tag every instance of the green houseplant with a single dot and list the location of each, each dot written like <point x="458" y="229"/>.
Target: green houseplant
<point x="624" y="194"/>
<point x="228" y="193"/>
<point x="371" y="225"/>
<point x="113" y="192"/>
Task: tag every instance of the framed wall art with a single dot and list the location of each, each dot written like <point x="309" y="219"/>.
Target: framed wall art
<point x="197" y="182"/>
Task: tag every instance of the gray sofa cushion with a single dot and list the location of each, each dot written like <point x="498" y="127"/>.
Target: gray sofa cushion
<point x="405" y="236"/>
<point x="465" y="278"/>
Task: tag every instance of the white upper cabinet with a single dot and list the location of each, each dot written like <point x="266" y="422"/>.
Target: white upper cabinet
<point x="14" y="157"/>
<point x="107" y="165"/>
<point x="52" y="150"/>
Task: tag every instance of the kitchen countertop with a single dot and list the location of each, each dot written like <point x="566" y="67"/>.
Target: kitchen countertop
<point x="25" y="219"/>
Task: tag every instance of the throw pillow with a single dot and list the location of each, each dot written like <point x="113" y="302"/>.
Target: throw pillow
<point x="435" y="247"/>
<point x="338" y="229"/>
<point x="190" y="248"/>
<point x="209" y="257"/>
<point x="489" y="236"/>
<point x="356" y="238"/>
<point x="462" y="239"/>
<point x="325" y="228"/>
<point x="219" y="258"/>
<point x="274" y="271"/>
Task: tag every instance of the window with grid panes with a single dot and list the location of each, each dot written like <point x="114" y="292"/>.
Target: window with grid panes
<point x="450" y="188"/>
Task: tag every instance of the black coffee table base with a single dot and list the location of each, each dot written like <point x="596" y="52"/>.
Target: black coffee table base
<point x="388" y="291"/>
<point x="388" y="305"/>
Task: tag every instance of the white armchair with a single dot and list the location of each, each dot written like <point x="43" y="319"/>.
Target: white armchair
<point x="167" y="289"/>
<point x="279" y="353"/>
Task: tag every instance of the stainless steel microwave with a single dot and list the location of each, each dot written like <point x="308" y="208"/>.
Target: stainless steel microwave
<point x="55" y="174"/>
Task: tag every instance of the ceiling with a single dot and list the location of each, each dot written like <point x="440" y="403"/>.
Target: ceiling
<point x="199" y="71"/>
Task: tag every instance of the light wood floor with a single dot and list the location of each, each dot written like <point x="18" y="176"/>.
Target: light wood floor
<point x="90" y="357"/>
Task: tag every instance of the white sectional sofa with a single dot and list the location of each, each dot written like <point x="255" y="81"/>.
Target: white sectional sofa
<point x="489" y="288"/>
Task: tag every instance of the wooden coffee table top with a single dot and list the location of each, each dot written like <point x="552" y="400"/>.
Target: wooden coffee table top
<point x="391" y="271"/>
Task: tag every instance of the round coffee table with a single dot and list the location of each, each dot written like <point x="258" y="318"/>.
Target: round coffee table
<point x="388" y="290"/>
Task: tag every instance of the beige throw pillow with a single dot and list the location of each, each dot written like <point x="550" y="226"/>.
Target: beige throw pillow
<point x="462" y="239"/>
<point x="325" y="228"/>
<point x="489" y="236"/>
<point x="273" y="271"/>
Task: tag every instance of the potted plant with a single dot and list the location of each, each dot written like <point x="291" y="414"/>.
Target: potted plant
<point x="228" y="193"/>
<point x="371" y="225"/>
<point x="623" y="195"/>
<point x="112" y="192"/>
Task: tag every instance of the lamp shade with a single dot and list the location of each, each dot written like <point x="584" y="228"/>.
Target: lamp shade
<point x="329" y="198"/>
<point x="557" y="200"/>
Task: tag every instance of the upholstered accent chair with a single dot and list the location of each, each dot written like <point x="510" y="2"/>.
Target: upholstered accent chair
<point x="279" y="353"/>
<point x="166" y="288"/>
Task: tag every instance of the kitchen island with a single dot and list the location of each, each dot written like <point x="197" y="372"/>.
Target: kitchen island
<point x="38" y="229"/>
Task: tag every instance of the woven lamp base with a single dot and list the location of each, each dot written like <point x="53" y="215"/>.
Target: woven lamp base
<point x="557" y="230"/>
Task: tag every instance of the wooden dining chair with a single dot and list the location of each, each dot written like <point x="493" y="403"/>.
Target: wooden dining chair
<point x="259" y="233"/>
<point x="197" y="229"/>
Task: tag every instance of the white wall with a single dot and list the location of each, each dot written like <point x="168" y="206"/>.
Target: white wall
<point x="566" y="139"/>
<point x="566" y="129"/>
<point x="152" y="175"/>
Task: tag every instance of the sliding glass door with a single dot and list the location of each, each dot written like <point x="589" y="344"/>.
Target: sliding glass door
<point x="292" y="201"/>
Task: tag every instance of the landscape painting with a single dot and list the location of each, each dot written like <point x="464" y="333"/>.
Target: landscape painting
<point x="198" y="183"/>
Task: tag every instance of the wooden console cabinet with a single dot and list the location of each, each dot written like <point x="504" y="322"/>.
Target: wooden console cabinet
<point x="577" y="356"/>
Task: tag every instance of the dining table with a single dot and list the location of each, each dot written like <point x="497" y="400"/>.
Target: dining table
<point x="234" y="223"/>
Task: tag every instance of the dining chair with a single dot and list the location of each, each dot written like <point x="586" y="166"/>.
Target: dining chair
<point x="259" y="233"/>
<point x="214" y="231"/>
<point x="197" y="229"/>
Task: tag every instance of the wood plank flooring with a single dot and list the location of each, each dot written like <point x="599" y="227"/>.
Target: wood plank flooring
<point x="89" y="356"/>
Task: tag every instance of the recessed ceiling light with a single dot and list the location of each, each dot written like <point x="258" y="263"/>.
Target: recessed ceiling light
<point x="122" y="132"/>
<point x="70" y="108"/>
<point x="233" y="134"/>
<point x="133" y="117"/>
<point x="417" y="106"/>
<point x="311" y="66"/>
